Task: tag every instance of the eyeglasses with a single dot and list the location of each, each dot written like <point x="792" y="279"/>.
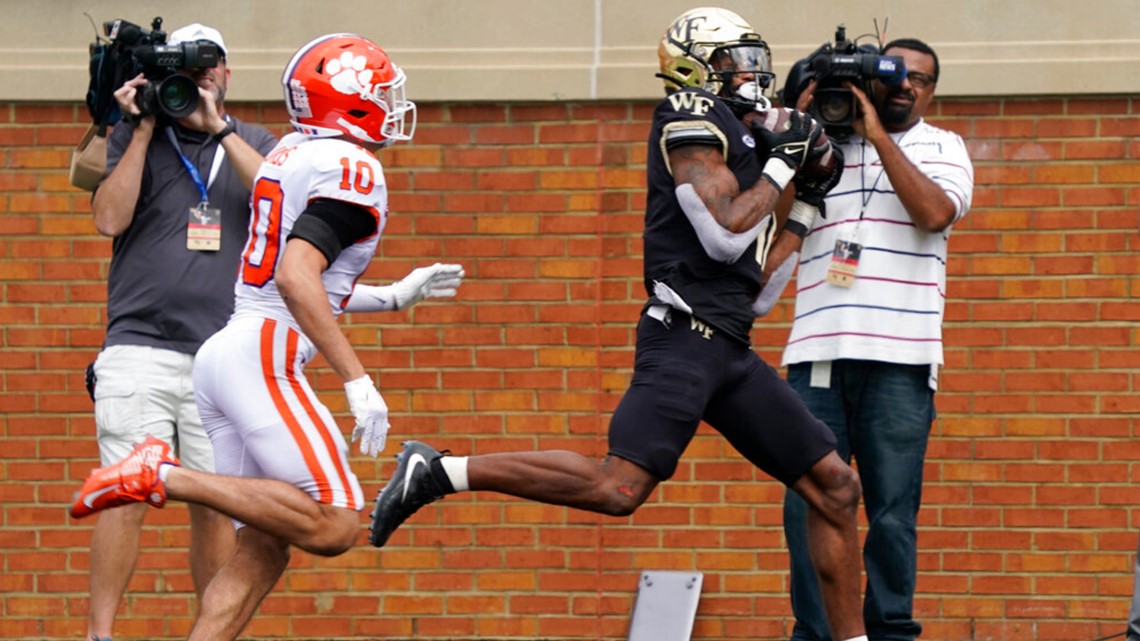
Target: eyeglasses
<point x="920" y="80"/>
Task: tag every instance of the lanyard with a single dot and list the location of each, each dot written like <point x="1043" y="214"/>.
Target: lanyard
<point x="195" y="175"/>
<point x="867" y="194"/>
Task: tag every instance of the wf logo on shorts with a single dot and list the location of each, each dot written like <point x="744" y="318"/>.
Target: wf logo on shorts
<point x="698" y="326"/>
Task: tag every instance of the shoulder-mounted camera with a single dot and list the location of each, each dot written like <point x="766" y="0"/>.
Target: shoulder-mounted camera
<point x="128" y="50"/>
<point x="832" y="65"/>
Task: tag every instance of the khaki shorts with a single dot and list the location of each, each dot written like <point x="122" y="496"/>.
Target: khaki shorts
<point x="146" y="390"/>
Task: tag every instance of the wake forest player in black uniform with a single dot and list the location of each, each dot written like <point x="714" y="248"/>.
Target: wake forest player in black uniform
<point x="711" y="196"/>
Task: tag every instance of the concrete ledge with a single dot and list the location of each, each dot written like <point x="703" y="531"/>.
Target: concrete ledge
<point x="537" y="50"/>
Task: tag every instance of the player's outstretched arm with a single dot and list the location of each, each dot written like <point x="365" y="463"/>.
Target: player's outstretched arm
<point x="434" y="281"/>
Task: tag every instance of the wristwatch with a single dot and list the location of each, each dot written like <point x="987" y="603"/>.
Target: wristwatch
<point x="225" y="132"/>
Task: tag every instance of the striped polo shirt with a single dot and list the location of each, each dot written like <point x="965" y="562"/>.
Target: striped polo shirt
<point x="893" y="310"/>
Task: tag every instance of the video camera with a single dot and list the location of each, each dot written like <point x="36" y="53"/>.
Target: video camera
<point x="833" y="104"/>
<point x="129" y="50"/>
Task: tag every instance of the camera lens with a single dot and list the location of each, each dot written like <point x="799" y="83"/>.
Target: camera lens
<point x="178" y="96"/>
<point x="834" y="106"/>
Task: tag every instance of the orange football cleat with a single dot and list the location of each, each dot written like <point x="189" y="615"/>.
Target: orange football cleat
<point x="131" y="480"/>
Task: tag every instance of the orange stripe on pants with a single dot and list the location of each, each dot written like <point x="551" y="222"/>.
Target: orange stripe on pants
<point x="311" y="411"/>
<point x="286" y="413"/>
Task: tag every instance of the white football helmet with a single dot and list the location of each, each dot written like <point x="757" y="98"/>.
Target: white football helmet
<point x="706" y="47"/>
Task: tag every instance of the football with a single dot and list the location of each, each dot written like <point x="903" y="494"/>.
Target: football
<point x="777" y="119"/>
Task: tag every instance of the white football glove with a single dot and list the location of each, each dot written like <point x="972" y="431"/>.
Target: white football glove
<point x="436" y="281"/>
<point x="371" y="413"/>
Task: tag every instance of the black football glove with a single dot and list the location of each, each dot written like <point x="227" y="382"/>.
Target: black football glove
<point x="795" y="146"/>
<point x="812" y="190"/>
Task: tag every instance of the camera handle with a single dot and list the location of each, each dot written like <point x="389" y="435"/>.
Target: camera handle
<point x="840" y="36"/>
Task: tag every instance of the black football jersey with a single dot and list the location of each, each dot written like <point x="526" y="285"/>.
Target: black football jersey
<point x="719" y="294"/>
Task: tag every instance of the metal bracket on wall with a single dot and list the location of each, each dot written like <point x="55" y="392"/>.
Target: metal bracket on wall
<point x="666" y="606"/>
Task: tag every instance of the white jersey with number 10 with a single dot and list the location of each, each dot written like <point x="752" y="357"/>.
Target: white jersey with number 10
<point x="299" y="170"/>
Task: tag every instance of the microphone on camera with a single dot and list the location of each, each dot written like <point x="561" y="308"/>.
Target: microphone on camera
<point x="123" y="32"/>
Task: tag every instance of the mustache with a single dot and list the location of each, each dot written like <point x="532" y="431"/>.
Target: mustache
<point x="897" y="92"/>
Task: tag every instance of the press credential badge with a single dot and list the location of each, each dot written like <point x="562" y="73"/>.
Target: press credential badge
<point x="844" y="261"/>
<point x="204" y="231"/>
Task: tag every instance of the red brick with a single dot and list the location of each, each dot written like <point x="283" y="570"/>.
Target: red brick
<point x="1097" y="106"/>
<point x="1126" y="127"/>
<point x="1030" y="197"/>
<point x="1003" y="128"/>
<point x="1095" y="149"/>
<point x="45" y="113"/>
<point x="1093" y="196"/>
<point x="1034" y="107"/>
<point x="1032" y="150"/>
<point x="1066" y="127"/>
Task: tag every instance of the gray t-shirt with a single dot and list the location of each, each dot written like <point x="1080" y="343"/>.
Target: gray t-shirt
<point x="159" y="293"/>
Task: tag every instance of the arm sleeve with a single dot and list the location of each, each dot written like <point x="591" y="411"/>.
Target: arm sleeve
<point x="331" y="225"/>
<point x="775" y="285"/>
<point x="719" y="243"/>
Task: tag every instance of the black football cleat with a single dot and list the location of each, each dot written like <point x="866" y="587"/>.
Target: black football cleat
<point x="412" y="487"/>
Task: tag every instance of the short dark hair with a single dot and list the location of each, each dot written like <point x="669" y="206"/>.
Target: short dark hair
<point x="914" y="44"/>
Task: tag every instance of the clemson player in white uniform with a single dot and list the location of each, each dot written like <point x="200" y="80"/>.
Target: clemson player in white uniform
<point x="319" y="206"/>
<point x="250" y="372"/>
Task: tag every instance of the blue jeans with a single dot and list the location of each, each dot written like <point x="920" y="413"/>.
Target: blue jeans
<point x="881" y="413"/>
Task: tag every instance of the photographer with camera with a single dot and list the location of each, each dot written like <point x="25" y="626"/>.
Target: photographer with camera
<point x="866" y="342"/>
<point x="176" y="202"/>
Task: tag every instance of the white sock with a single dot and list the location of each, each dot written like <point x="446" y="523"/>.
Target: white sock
<point x="858" y="638"/>
<point x="163" y="470"/>
<point x="456" y="469"/>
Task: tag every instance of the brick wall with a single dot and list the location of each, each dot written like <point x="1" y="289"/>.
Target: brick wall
<point x="1030" y="519"/>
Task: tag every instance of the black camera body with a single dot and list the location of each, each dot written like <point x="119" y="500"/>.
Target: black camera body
<point x="832" y="65"/>
<point x="170" y="90"/>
